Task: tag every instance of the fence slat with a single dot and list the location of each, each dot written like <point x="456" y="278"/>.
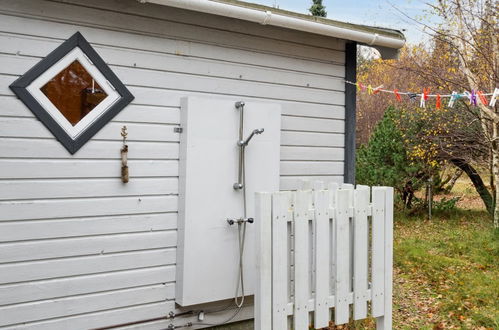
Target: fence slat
<point x="378" y="251"/>
<point x="321" y="247"/>
<point x="333" y="196"/>
<point x="301" y="262"/>
<point x="342" y="257"/>
<point x="263" y="298"/>
<point x="280" y="207"/>
<point x="385" y="322"/>
<point x="361" y="203"/>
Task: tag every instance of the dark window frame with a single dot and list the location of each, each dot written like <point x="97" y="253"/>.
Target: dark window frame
<point x="19" y="87"/>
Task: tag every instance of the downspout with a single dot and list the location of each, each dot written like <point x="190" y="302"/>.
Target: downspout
<point x="277" y="19"/>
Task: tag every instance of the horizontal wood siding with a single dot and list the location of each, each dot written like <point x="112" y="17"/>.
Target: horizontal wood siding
<point x="80" y="249"/>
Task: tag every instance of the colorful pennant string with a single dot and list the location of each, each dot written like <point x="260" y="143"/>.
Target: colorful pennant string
<point x="474" y="97"/>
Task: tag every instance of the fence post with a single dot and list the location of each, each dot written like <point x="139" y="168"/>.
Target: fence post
<point x="385" y="322"/>
<point x="263" y="245"/>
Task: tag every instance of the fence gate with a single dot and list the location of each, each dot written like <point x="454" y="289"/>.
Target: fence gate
<point x="320" y="252"/>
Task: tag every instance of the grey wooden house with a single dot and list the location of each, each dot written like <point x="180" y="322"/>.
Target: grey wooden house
<point x="81" y="249"/>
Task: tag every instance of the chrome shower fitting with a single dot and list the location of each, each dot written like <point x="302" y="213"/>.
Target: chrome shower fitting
<point x="242" y="144"/>
<point x="240" y="221"/>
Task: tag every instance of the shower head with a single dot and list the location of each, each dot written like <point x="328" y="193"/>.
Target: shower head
<point x="248" y="139"/>
<point x="259" y="131"/>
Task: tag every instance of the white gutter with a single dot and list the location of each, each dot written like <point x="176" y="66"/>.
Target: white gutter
<point x="277" y="19"/>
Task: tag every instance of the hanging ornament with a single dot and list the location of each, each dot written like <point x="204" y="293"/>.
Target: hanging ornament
<point x="438" y="104"/>
<point x="369" y="90"/>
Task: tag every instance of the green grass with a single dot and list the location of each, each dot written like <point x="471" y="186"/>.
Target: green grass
<point x="451" y="264"/>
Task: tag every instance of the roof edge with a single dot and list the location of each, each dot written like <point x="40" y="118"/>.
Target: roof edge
<point x="380" y="38"/>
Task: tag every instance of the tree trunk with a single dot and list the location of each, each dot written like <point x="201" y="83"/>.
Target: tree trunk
<point x="453" y="180"/>
<point x="477" y="183"/>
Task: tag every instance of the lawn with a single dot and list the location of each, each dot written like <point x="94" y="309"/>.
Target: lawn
<point x="446" y="272"/>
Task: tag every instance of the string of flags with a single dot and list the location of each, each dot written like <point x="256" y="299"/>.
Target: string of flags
<point x="474" y="97"/>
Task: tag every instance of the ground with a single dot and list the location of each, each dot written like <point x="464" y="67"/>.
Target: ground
<point x="446" y="273"/>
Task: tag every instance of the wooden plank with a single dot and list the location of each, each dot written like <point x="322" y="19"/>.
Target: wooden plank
<point x="51" y="209"/>
<point x="311" y="153"/>
<point x="385" y="322"/>
<point x="294" y="182"/>
<point x="308" y="168"/>
<point x="76" y="266"/>
<point x="47" y="309"/>
<point x="105" y="318"/>
<point x="90" y="245"/>
<point x="11" y="231"/>
<point x="313" y="124"/>
<point x="378" y="252"/>
<point x="212" y="85"/>
<point x="158" y="97"/>
<point x="292" y="138"/>
<point x="81" y="168"/>
<point x="360" y="252"/>
<point x="280" y="280"/>
<point x="65" y="287"/>
<point x="80" y="188"/>
<point x="321" y="247"/>
<point x="32" y="128"/>
<point x="36" y="148"/>
<point x="301" y="259"/>
<point x="333" y="202"/>
<point x="342" y="257"/>
<point x="263" y="245"/>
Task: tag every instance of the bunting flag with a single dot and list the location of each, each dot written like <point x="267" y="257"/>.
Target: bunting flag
<point x="482" y="98"/>
<point x="397" y="95"/>
<point x="424" y="97"/>
<point x="475" y="96"/>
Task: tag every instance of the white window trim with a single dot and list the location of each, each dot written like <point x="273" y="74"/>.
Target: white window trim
<point x="73" y="131"/>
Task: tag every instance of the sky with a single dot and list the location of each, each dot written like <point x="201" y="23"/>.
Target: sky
<point x="368" y="12"/>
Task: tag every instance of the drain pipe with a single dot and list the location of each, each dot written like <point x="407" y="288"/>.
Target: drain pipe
<point x="267" y="17"/>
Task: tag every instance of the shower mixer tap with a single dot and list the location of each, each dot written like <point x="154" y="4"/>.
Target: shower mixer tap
<point x="240" y="220"/>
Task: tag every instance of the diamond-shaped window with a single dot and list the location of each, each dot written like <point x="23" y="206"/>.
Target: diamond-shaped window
<point x="73" y="92"/>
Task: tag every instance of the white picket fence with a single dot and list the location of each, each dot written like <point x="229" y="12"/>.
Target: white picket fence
<point x="323" y="250"/>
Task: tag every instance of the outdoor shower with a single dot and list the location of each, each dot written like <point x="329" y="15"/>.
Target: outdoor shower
<point x="241" y="185"/>
<point x="228" y="152"/>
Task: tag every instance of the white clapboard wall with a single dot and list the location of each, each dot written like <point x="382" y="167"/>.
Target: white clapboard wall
<point x="324" y="255"/>
<point x="79" y="249"/>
